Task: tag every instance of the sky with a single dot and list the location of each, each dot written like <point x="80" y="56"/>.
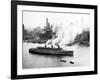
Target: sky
<point x="35" y="19"/>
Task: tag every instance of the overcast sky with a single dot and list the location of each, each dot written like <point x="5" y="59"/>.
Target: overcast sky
<point x="35" y="19"/>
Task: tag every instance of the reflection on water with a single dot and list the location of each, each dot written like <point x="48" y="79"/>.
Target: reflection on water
<point x="43" y="61"/>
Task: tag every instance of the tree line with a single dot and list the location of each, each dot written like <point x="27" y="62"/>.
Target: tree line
<point x="42" y="35"/>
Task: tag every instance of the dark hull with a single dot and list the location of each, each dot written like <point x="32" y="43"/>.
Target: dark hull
<point x="50" y="51"/>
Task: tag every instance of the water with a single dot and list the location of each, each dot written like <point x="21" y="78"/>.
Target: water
<point x="81" y="56"/>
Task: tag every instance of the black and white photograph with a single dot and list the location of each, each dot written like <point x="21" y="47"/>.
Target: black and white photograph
<point x="53" y="39"/>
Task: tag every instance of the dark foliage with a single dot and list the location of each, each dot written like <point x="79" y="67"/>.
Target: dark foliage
<point x="38" y="35"/>
<point x="82" y="39"/>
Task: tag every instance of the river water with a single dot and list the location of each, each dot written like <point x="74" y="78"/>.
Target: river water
<point x="81" y="58"/>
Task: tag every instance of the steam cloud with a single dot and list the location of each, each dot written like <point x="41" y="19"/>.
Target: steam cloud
<point x="67" y="33"/>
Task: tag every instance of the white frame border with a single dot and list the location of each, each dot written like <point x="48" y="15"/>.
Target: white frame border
<point x="21" y="71"/>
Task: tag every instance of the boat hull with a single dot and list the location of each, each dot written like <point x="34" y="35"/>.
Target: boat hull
<point x="50" y="51"/>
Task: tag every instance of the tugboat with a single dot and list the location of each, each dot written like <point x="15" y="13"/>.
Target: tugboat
<point x="51" y="51"/>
